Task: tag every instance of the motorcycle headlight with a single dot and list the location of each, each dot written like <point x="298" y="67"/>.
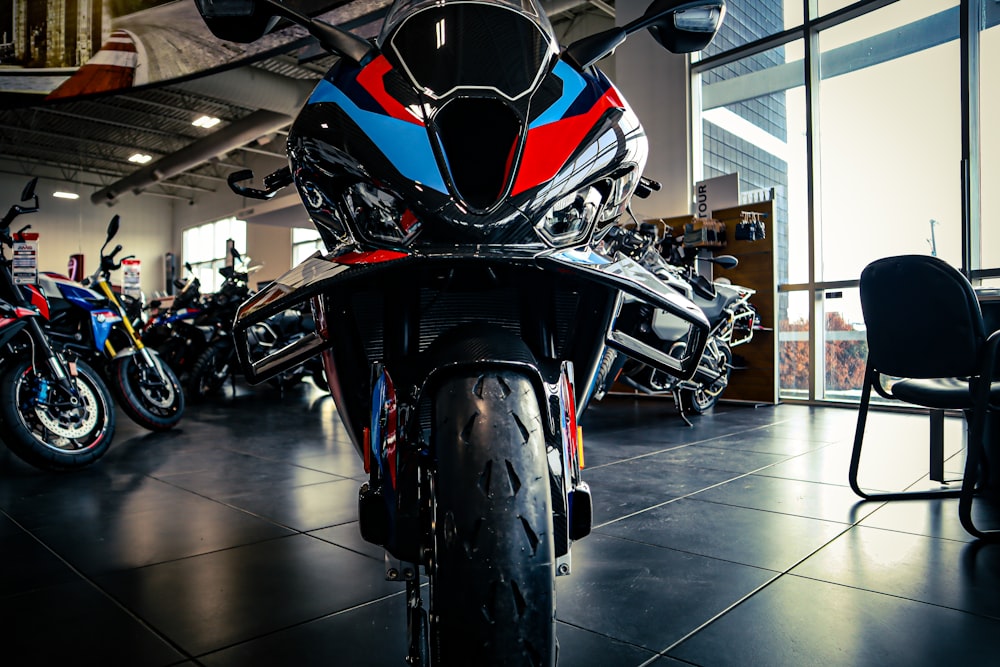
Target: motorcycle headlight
<point x="380" y="215"/>
<point x="571" y="218"/>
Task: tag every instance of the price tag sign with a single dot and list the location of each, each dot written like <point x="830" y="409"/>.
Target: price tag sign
<point x="24" y="263"/>
<point x="131" y="271"/>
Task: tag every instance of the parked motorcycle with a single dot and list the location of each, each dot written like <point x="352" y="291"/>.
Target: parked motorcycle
<point x="173" y="332"/>
<point x="95" y="325"/>
<point x="284" y="329"/>
<point x="726" y="306"/>
<point x="56" y="412"/>
<point x="460" y="170"/>
<point x="216" y="362"/>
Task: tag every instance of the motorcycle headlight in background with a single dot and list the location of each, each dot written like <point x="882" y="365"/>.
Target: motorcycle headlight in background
<point x="571" y="218"/>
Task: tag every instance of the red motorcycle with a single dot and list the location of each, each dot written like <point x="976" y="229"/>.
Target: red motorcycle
<point x="56" y="411"/>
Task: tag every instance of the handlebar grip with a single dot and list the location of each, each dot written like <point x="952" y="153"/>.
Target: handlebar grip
<point x="118" y="249"/>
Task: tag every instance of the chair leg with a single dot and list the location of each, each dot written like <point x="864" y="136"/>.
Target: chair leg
<point x="973" y="463"/>
<point x="859" y="434"/>
<point x="937" y="446"/>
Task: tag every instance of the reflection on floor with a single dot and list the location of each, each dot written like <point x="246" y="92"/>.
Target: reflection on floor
<point x="233" y="541"/>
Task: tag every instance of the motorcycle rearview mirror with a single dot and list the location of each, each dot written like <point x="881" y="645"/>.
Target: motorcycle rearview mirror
<point x="246" y="21"/>
<point x="187" y="265"/>
<point x="113" y="227"/>
<point x="112" y="230"/>
<point x="29" y="190"/>
<point x="680" y="26"/>
<point x="725" y="261"/>
<point x="683" y="27"/>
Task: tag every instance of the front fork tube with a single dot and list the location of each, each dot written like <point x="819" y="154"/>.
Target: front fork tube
<point x="61" y="371"/>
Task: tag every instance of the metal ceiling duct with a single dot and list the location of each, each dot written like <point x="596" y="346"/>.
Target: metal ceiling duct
<point x="234" y="135"/>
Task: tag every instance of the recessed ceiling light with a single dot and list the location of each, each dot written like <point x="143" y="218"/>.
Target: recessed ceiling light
<point x="206" y="122"/>
<point x="140" y="158"/>
<point x="66" y="195"/>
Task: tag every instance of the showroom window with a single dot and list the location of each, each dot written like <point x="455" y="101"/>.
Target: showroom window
<point x="989" y="143"/>
<point x="206" y="249"/>
<point x="857" y="118"/>
<point x="304" y="243"/>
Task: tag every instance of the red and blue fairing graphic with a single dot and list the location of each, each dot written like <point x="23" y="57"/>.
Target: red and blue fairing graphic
<point x="396" y="131"/>
<point x="400" y="133"/>
<point x="561" y="130"/>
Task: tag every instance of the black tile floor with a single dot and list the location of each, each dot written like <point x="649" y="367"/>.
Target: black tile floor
<point x="233" y="541"/>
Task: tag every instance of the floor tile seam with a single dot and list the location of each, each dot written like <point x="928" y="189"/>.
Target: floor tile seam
<point x="92" y="583"/>
<point x="352" y="550"/>
<point x="665" y="653"/>
<point x="778" y="575"/>
<point x="840" y="584"/>
<point x="164" y="476"/>
<point x="968" y="540"/>
<point x="242" y="510"/>
<point x="280" y="460"/>
<point x="772" y="511"/>
<point x="301" y="623"/>
<point x="619" y="640"/>
<point x="681" y="497"/>
<point x="696" y="553"/>
<point x="679" y="446"/>
<point x="846" y="485"/>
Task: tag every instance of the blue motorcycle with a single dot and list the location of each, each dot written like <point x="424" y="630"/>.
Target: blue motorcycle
<point x="95" y="325"/>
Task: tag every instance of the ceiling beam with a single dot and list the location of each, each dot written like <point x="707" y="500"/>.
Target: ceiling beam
<point x="230" y="137"/>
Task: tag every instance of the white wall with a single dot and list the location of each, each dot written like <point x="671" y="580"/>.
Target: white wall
<point x="655" y="82"/>
<point x="66" y="227"/>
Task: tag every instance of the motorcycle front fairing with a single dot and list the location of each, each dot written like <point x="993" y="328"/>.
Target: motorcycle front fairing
<point x="393" y="154"/>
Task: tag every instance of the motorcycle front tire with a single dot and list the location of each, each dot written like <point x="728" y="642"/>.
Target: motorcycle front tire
<point x="700" y="401"/>
<point x="493" y="575"/>
<point x="155" y="406"/>
<point x="210" y="372"/>
<point x="54" y="437"/>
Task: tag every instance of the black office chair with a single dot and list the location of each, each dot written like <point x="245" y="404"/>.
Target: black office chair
<point x="926" y="327"/>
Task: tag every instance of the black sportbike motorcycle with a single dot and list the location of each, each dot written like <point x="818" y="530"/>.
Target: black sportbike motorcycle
<point x="460" y="170"/>
<point x="216" y="362"/>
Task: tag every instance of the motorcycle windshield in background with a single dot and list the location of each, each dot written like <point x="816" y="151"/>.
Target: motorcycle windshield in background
<point x="502" y="46"/>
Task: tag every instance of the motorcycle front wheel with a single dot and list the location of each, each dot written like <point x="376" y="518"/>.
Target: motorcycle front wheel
<point x="703" y="399"/>
<point x="151" y="395"/>
<point x="210" y="372"/>
<point x="44" y="427"/>
<point x="493" y="574"/>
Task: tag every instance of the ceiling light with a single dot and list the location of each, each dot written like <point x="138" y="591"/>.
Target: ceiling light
<point x="205" y="122"/>
<point x="140" y="158"/>
<point x="66" y="195"/>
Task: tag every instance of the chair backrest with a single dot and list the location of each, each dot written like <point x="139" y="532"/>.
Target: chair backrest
<point x="922" y="316"/>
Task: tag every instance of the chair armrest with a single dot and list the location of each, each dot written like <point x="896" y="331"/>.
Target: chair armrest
<point x="880" y="389"/>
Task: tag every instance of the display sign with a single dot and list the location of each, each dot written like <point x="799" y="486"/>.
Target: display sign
<point x="131" y="271"/>
<point x="61" y="50"/>
<point x="24" y="262"/>
<point x="715" y="194"/>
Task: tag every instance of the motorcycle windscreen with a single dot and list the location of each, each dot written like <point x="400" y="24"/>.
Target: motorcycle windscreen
<point x="467" y="46"/>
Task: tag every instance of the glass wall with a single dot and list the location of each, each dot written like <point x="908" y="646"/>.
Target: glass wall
<point x="205" y="249"/>
<point x="855" y="118"/>
<point x="989" y="136"/>
<point x="889" y="137"/>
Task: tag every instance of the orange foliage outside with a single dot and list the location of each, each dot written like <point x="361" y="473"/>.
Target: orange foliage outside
<point x="845" y="359"/>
